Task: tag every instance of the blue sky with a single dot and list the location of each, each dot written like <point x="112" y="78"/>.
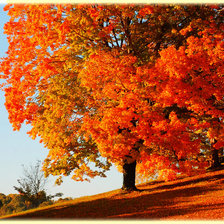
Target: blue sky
<point x="18" y="149"/>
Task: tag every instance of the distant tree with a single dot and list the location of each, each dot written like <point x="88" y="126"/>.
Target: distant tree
<point x="46" y="203"/>
<point x="17" y="204"/>
<point x="33" y="180"/>
<point x="32" y="185"/>
<point x="12" y="203"/>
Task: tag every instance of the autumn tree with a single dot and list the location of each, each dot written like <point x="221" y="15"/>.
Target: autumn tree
<point x="123" y="84"/>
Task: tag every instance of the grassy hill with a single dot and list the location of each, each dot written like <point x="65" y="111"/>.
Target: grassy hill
<point x="198" y="197"/>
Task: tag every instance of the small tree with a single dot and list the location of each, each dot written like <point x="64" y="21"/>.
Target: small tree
<point x="32" y="185"/>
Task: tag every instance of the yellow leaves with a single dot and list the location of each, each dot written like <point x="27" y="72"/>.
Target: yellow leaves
<point x="216" y="135"/>
<point x="155" y="164"/>
<point x="167" y="174"/>
<point x="212" y="134"/>
<point x="174" y="31"/>
<point x="173" y="118"/>
<point x="59" y="181"/>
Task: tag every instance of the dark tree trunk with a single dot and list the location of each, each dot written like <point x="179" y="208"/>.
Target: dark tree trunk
<point x="215" y="159"/>
<point x="129" y="176"/>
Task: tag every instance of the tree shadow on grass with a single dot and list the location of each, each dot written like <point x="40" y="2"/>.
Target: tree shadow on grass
<point x="164" y="213"/>
<point x="164" y="204"/>
<point x="145" y="205"/>
<point x="191" y="181"/>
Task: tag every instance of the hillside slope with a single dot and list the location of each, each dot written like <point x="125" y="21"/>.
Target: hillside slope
<point x="199" y="197"/>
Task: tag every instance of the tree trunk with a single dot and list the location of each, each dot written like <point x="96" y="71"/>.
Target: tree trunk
<point x="215" y="159"/>
<point x="129" y="176"/>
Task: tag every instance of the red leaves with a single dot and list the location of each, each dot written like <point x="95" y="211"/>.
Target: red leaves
<point x="94" y="12"/>
<point x="219" y="144"/>
<point x="146" y="10"/>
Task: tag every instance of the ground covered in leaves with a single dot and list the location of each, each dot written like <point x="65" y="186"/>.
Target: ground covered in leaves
<point x="192" y="198"/>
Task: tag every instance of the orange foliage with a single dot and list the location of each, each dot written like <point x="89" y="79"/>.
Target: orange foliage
<point x="126" y="82"/>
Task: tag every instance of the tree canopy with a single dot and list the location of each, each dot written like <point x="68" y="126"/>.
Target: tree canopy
<point x="122" y="82"/>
